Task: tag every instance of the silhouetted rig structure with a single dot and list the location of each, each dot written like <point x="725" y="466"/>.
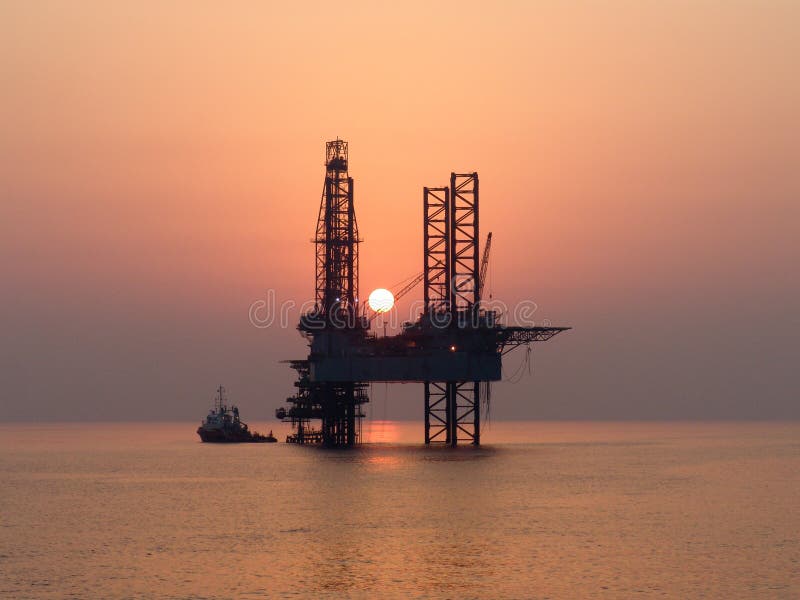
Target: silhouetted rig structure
<point x="454" y="348"/>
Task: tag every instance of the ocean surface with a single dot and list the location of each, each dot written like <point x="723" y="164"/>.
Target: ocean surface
<point x="542" y="510"/>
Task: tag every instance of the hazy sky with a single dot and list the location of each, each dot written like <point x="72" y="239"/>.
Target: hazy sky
<point x="161" y="165"/>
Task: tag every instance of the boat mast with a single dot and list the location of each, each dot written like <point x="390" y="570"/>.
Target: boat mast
<point x="218" y="403"/>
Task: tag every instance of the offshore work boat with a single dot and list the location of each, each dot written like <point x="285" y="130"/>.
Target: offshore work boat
<point x="223" y="425"/>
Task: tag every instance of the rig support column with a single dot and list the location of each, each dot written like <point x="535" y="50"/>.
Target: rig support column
<point x="465" y="297"/>
<point x="464" y="260"/>
<point x="452" y="300"/>
<point x="437" y="297"/>
<point x="437" y="409"/>
<point x="452" y="414"/>
<point x="436" y="251"/>
<point x="476" y="414"/>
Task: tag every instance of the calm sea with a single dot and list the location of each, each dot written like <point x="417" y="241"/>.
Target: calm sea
<point x="543" y="510"/>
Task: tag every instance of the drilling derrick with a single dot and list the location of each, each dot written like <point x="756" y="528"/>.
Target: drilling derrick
<point x="334" y="323"/>
<point x="336" y="242"/>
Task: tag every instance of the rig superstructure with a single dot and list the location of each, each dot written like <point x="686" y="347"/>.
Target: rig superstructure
<point x="454" y="348"/>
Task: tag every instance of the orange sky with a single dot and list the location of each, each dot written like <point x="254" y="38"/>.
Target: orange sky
<point x="161" y="166"/>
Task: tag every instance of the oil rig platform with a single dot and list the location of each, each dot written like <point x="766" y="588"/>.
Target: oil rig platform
<point x="455" y="346"/>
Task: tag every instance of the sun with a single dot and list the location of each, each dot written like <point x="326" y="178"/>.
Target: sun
<point x="381" y="300"/>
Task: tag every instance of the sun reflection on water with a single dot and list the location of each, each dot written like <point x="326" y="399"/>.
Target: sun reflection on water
<point x="382" y="432"/>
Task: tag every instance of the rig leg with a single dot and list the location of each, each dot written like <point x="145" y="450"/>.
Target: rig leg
<point x="464" y="412"/>
<point x="340" y="411"/>
<point x="476" y="407"/>
<point x="437" y="413"/>
<point x="427" y="413"/>
<point x="452" y="414"/>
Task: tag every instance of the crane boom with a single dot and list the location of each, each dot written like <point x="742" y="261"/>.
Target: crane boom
<point x="409" y="286"/>
<point x="485" y="264"/>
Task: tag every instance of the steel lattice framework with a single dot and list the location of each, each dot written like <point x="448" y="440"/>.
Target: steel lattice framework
<point x="452" y="408"/>
<point x="335" y="320"/>
<point x="437" y="417"/>
<point x="336" y="240"/>
<point x="452" y="414"/>
<point x="436" y="232"/>
<point x="464" y="261"/>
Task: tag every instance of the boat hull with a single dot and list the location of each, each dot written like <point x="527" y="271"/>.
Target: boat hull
<point x="220" y="436"/>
